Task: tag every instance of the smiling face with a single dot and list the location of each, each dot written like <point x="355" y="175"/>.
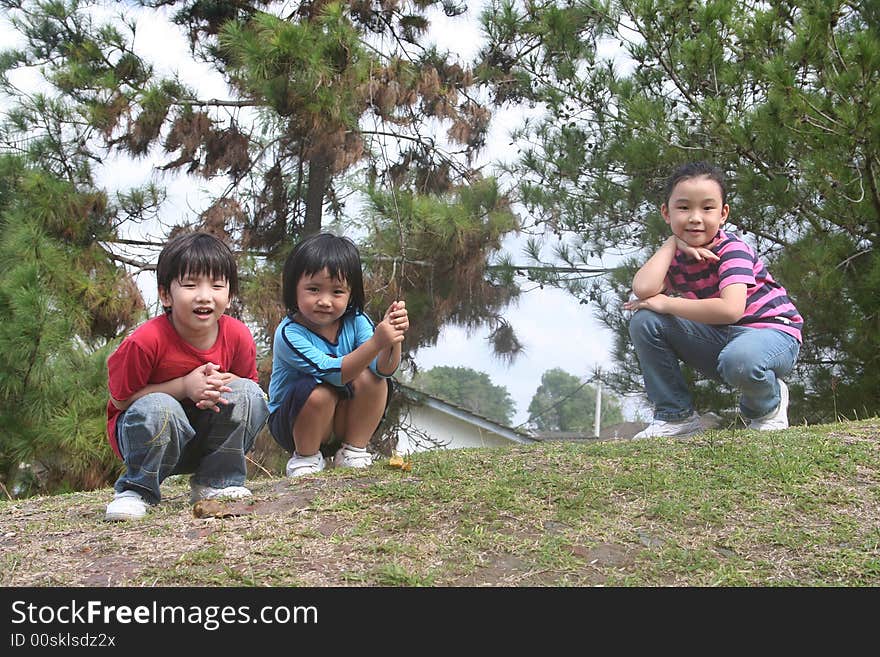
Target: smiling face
<point x="196" y="303"/>
<point x="695" y="210"/>
<point x="321" y="301"/>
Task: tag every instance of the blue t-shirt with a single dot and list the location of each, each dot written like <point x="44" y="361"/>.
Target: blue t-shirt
<point x="298" y="351"/>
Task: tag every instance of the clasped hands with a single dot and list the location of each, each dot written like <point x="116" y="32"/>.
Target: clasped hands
<point x="206" y="385"/>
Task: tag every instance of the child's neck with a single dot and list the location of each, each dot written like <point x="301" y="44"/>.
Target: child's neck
<point x="201" y="340"/>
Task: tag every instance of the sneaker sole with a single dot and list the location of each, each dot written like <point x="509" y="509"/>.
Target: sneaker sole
<point x="120" y="517"/>
<point x="688" y="434"/>
<point x="297" y="475"/>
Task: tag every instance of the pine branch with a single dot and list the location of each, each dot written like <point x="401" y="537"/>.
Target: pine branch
<point x="138" y="264"/>
<point x="216" y="102"/>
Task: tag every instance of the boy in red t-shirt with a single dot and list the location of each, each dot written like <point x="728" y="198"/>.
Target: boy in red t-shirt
<point x="183" y="386"/>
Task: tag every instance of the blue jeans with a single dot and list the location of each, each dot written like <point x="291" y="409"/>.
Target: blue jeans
<point x="159" y="437"/>
<point x="746" y="358"/>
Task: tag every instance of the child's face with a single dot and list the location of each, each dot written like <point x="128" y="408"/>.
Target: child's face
<point x="695" y="211"/>
<point x="321" y="300"/>
<point x="196" y="303"/>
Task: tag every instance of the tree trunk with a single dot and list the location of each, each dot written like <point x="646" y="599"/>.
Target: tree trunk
<point x="319" y="171"/>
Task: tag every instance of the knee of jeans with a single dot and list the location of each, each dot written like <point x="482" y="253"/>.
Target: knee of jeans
<point x="247" y="389"/>
<point x="738" y="369"/>
<point x="153" y="413"/>
<point x="644" y="323"/>
<point x="248" y="396"/>
<point x="153" y="402"/>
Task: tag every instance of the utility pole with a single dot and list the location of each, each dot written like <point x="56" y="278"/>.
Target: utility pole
<point x="597" y="420"/>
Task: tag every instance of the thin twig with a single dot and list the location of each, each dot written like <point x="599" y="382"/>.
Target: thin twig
<point x="269" y="474"/>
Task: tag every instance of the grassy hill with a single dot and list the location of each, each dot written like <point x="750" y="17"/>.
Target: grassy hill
<point x="728" y="508"/>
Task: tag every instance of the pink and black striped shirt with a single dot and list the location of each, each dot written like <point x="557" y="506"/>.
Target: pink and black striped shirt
<point x="767" y="303"/>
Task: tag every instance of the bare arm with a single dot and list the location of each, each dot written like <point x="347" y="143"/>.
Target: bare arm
<point x="389" y="358"/>
<point x="174" y="387"/>
<point x="355" y="362"/>
<point x="385" y="344"/>
<point x="650" y="279"/>
<point x="728" y="309"/>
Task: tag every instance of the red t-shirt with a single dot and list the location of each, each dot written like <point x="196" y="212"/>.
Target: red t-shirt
<point x="155" y="353"/>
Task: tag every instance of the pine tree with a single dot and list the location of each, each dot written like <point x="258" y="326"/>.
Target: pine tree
<point x="326" y="99"/>
<point x="62" y="302"/>
<point x="781" y="95"/>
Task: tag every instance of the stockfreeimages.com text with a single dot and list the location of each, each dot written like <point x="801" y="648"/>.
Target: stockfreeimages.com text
<point x="211" y="617"/>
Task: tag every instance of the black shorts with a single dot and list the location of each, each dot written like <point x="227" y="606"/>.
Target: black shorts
<point x="281" y="421"/>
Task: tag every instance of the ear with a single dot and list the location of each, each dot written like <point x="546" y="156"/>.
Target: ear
<point x="725" y="211"/>
<point x="229" y="299"/>
<point x="664" y="210"/>
<point x="164" y="297"/>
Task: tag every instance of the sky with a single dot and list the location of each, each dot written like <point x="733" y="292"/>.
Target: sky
<point x="555" y="329"/>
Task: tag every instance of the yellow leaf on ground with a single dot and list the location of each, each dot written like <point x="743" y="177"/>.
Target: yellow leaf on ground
<point x="397" y="461"/>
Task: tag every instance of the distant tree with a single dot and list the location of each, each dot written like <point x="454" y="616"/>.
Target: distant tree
<point x="469" y="389"/>
<point x="563" y="403"/>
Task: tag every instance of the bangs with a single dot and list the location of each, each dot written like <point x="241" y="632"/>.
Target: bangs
<point x="213" y="270"/>
<point x="336" y="265"/>
<point x="338" y="255"/>
<point x="194" y="255"/>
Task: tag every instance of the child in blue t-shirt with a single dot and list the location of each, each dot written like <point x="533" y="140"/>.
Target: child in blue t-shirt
<point x="330" y="364"/>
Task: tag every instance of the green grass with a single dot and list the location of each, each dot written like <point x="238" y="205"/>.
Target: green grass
<point x="729" y="508"/>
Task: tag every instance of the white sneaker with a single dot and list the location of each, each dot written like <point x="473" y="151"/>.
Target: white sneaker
<point x="199" y="492"/>
<point x="298" y="465"/>
<point x="352" y="457"/>
<point x="778" y="419"/>
<point x="687" y="427"/>
<point x="127" y="505"/>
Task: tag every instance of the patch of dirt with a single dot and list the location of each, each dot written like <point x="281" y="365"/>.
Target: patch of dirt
<point x="110" y="570"/>
<point x="505" y="570"/>
<point x="604" y="554"/>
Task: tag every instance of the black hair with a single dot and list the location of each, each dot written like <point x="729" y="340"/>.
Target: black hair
<point x="695" y="170"/>
<point x="196" y="254"/>
<point x="338" y="255"/>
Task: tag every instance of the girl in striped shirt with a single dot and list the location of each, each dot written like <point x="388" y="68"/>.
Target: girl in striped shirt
<point x="705" y="298"/>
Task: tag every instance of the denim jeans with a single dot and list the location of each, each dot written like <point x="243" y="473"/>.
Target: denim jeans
<point x="159" y="437"/>
<point x="746" y="358"/>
